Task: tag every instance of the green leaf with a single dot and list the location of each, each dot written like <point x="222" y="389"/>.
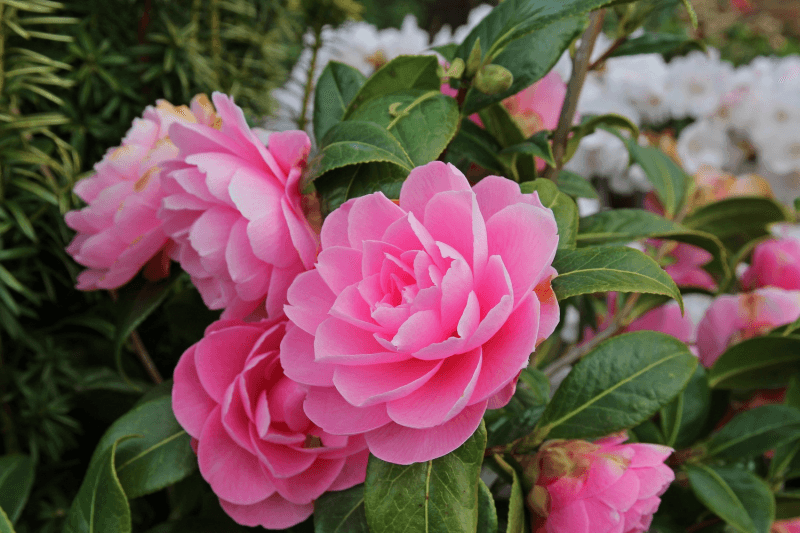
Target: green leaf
<point x="611" y="268"/>
<point x="575" y="185"/>
<point x="341" y="512"/>
<point x="669" y="180"/>
<point x="158" y="457"/>
<point x="424" y="122"/>
<point x="506" y="131"/>
<point x="477" y="146"/>
<point x="337" y="86"/>
<point x="487" y="512"/>
<point x="447" y="51"/>
<point x="538" y="146"/>
<point x="338" y="186"/>
<point x="514" y="19"/>
<point x="589" y="124"/>
<point x="101" y="504"/>
<point x="353" y="142"/>
<point x="618" y="226"/>
<point x="755" y="431"/>
<point x="437" y="495"/>
<point x="758" y="363"/>
<point x="564" y="209"/>
<point x="658" y="43"/>
<point x="16" y="479"/>
<point x="685" y="417"/>
<point x="518" y="418"/>
<point x="617" y="385"/>
<point x="5" y="523"/>
<point x="516" y="503"/>
<point x="528" y="59"/>
<point x="741" y="499"/>
<point x="136" y="301"/>
<point x="736" y="221"/>
<point x="399" y="74"/>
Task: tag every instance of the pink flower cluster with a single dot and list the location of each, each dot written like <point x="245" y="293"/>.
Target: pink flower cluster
<point x="391" y="330"/>
<point x="601" y="486"/>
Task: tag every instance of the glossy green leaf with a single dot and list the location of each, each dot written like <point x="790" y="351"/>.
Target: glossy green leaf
<point x="516" y="504"/>
<point x="658" y="43"/>
<point x="5" y="523"/>
<point x="618" y="226"/>
<point x="575" y="185"/>
<point x="341" y="512"/>
<point x="755" y="431"/>
<point x="353" y="142"/>
<point x="499" y="124"/>
<point x="476" y="145"/>
<point x="737" y="221"/>
<point x="738" y="497"/>
<point x="669" y="180"/>
<point x="761" y="362"/>
<point x="447" y="51"/>
<point x="685" y="417"/>
<point x="617" y="385"/>
<point x="337" y="86"/>
<point x="159" y="454"/>
<point x="16" y="480"/>
<point x="564" y="209"/>
<point x="610" y="268"/>
<point x="537" y="146"/>
<point x="399" y="74"/>
<point x="101" y="504"/>
<point x="438" y="495"/>
<point x="423" y="121"/>
<point x="487" y="512"/>
<point x="528" y="59"/>
<point x="341" y="184"/>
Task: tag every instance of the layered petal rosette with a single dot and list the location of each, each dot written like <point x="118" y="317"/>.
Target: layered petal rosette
<point x="598" y="487"/>
<point x="733" y="318"/>
<point x="264" y="459"/>
<point x="420" y="315"/>
<point x="234" y="208"/>
<point x="118" y="231"/>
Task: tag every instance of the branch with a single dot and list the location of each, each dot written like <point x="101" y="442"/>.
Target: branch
<point x="619" y="42"/>
<point x="141" y="352"/>
<point x="302" y="121"/>
<point x="580" y="67"/>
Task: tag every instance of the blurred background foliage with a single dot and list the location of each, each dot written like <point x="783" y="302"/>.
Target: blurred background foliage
<point x="73" y="76"/>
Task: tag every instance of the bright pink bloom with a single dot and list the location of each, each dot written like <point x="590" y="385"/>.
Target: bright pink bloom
<point x="598" y="487"/>
<point x="775" y="263"/>
<point x="786" y="526"/>
<point x="665" y="318"/>
<point x="538" y="107"/>
<point x="118" y="232"/>
<point x="733" y="318"/>
<point x="420" y="315"/>
<point x="261" y="455"/>
<point x="234" y="208"/>
<point x="684" y="263"/>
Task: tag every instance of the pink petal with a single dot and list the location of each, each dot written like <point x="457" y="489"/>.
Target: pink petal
<point x="297" y="359"/>
<point x="274" y="512"/>
<point x="454" y="218"/>
<point x="340" y="267"/>
<point x="334" y="228"/>
<point x="309" y="301"/>
<point x="353" y="473"/>
<point x="281" y="460"/>
<point x="401" y="445"/>
<point x="368" y="385"/>
<point x="250" y="274"/>
<point x="289" y="148"/>
<point x="572" y="518"/>
<point x="327" y="409"/>
<point x="311" y="483"/>
<point x="190" y="403"/>
<point x="369" y="218"/>
<point x="338" y="342"/>
<point x="351" y="307"/>
<point x="220" y="357"/>
<point x="424" y="182"/>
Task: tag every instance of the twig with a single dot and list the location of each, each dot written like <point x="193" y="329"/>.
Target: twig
<point x="141" y="352"/>
<point x="619" y="42"/>
<point x="580" y="67"/>
<point x="302" y="120"/>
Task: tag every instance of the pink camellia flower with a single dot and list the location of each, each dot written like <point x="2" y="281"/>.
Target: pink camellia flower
<point x="118" y="232"/>
<point x="786" y="526"/>
<point x="685" y="265"/>
<point x="775" y="263"/>
<point x="261" y="455"/>
<point x="733" y="318"/>
<point x="598" y="487"/>
<point x="234" y="208"/>
<point x="421" y="315"/>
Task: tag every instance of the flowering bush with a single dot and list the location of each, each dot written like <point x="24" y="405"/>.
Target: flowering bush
<point x="399" y="295"/>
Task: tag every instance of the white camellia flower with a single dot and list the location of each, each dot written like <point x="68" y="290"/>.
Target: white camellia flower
<point x="744" y="95"/>
<point x="781" y="152"/>
<point x="707" y="141"/>
<point x="641" y="81"/>
<point x="695" y="84"/>
<point x="779" y="113"/>
<point x="600" y="154"/>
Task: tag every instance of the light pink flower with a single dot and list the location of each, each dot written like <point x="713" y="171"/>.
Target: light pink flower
<point x="665" y="318"/>
<point x="261" y="455"/>
<point x="786" y="526"/>
<point x="234" y="208"/>
<point x="420" y="315"/>
<point x="118" y="232"/>
<point x="733" y="318"/>
<point x="684" y="263"/>
<point x="598" y="487"/>
<point x="775" y="263"/>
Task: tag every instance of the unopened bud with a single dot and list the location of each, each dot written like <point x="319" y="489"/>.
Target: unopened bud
<point x="493" y="79"/>
<point x="456" y="69"/>
<point x="474" y="59"/>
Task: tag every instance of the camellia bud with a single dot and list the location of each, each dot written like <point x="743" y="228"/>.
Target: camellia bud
<point x="456" y="69"/>
<point x="474" y="59"/>
<point x="493" y="79"/>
